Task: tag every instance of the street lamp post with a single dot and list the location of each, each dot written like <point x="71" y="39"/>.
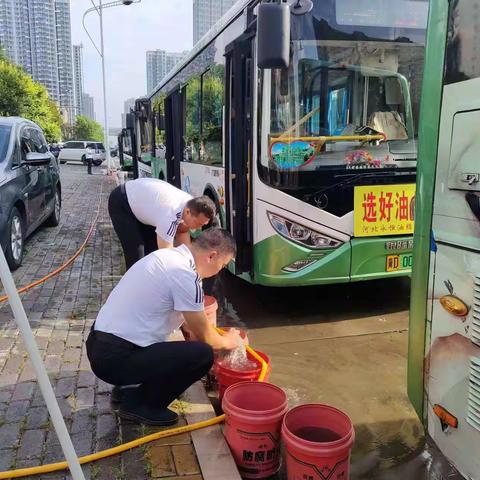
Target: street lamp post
<point x="99" y="9"/>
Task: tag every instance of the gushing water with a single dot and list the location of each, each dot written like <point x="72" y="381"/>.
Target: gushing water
<point x="237" y="359"/>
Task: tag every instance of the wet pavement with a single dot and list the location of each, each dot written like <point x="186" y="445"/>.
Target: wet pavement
<point x="346" y="346"/>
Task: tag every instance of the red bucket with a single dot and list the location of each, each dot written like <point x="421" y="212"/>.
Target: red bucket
<point x="226" y="376"/>
<point x="210" y="306"/>
<point x="253" y="420"/>
<point x="318" y="440"/>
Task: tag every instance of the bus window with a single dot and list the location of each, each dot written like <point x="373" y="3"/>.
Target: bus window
<point x="192" y="120"/>
<point x="145" y="140"/>
<point x="212" y="121"/>
<point x="159" y="113"/>
<point x="337" y="110"/>
<point x="345" y="90"/>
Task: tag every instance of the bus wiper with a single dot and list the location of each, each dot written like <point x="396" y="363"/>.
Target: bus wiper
<point x="353" y="177"/>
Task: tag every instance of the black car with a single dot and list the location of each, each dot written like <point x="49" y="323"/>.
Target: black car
<point x="30" y="190"/>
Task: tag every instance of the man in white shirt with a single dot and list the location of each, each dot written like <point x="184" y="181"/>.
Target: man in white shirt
<point x="148" y="214"/>
<point x="127" y="345"/>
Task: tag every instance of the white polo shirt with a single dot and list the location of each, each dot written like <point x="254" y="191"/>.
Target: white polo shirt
<point x="157" y="203"/>
<point x="144" y="306"/>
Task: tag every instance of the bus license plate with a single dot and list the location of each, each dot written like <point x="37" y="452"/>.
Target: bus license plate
<point x="398" y="262"/>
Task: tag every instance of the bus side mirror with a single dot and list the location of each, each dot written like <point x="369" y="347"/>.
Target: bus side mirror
<point x="273" y="34"/>
<point x="161" y="122"/>
<point x="130" y="121"/>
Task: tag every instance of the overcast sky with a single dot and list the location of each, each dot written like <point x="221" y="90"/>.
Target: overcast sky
<point x="128" y="33"/>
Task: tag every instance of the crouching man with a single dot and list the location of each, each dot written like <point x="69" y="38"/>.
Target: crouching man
<point x="127" y="344"/>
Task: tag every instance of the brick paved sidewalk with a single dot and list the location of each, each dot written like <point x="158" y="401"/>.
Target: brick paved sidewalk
<point x="61" y="312"/>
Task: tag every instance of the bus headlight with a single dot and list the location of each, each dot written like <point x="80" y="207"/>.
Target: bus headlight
<point x="319" y="241"/>
<point x="301" y="234"/>
<point x="297" y="232"/>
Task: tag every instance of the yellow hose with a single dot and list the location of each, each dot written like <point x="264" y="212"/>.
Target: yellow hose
<point x="55" y="467"/>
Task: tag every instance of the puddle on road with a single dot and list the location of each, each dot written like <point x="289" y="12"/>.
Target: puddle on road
<point x="389" y="438"/>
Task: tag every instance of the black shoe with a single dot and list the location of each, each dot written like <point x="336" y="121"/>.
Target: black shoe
<point x="160" y="417"/>
<point x="119" y="391"/>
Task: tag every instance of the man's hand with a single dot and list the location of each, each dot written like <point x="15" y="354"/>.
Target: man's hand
<point x="232" y="339"/>
<point x="198" y="323"/>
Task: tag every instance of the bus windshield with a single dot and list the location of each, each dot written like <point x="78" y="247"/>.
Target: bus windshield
<point x="350" y="96"/>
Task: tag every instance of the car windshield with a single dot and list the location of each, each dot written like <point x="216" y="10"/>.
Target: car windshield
<point x="4" y="139"/>
<point x="100" y="146"/>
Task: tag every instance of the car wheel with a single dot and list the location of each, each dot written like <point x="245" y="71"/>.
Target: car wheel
<point x="97" y="163"/>
<point x="15" y="239"/>
<point x="63" y="162"/>
<point x="54" y="219"/>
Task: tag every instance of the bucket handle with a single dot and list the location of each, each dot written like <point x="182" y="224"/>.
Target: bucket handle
<point x="256" y="356"/>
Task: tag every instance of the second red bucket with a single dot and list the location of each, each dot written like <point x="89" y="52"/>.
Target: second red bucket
<point x="211" y="307"/>
<point x="253" y="419"/>
<point x="318" y="439"/>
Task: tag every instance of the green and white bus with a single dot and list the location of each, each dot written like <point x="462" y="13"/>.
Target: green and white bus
<point x="444" y="336"/>
<point x="311" y="158"/>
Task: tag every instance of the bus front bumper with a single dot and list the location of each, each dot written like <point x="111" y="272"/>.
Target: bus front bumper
<point x="279" y="262"/>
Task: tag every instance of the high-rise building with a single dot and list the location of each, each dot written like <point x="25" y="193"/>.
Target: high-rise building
<point x="7" y="28"/>
<point x="64" y="56"/>
<point x="159" y="63"/>
<point x="78" y="78"/>
<point x="36" y="34"/>
<point x="128" y="105"/>
<point x="88" y="106"/>
<point x="206" y="13"/>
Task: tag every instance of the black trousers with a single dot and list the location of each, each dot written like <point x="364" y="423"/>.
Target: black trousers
<point x="164" y="370"/>
<point x="137" y="239"/>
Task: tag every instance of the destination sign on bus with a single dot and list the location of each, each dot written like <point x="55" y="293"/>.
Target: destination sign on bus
<point x="384" y="210"/>
<point x="382" y="13"/>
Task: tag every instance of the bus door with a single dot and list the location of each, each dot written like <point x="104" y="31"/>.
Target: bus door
<point x="238" y="148"/>
<point x="120" y="147"/>
<point x="130" y="131"/>
<point x="174" y="128"/>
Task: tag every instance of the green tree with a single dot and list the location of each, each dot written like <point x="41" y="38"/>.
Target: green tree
<point x="23" y="97"/>
<point x="87" y="129"/>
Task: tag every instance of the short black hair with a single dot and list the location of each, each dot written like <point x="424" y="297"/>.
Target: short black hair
<point x="201" y="205"/>
<point x="216" y="239"/>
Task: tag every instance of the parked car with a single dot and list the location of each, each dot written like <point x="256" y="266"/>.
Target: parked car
<point x="81" y="151"/>
<point x="30" y="189"/>
<point x="114" y="151"/>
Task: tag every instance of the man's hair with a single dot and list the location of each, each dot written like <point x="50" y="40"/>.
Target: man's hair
<point x="201" y="205"/>
<point x="216" y="239"/>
